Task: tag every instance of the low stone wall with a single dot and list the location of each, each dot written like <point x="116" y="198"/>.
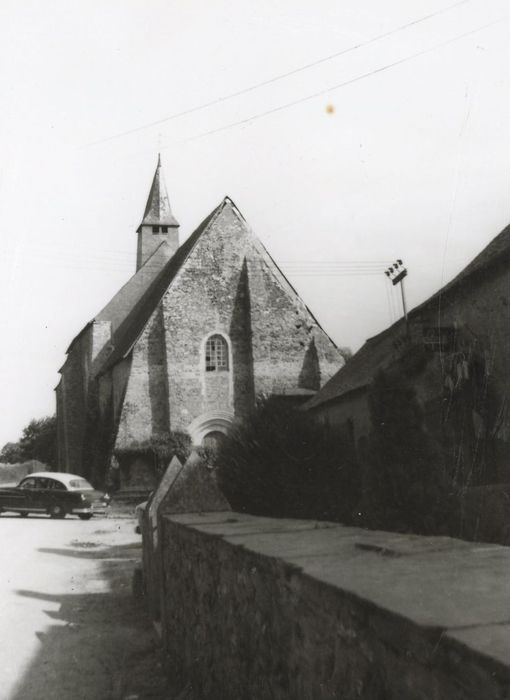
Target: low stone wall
<point x="256" y="608"/>
<point x="484" y="513"/>
<point x="183" y="488"/>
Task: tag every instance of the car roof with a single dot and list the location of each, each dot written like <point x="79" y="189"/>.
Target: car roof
<point x="63" y="477"/>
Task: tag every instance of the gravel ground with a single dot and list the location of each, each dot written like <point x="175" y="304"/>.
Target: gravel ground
<point x="75" y="631"/>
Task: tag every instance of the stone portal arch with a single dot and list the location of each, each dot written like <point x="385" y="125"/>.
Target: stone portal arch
<point x="213" y="440"/>
<point x="210" y="422"/>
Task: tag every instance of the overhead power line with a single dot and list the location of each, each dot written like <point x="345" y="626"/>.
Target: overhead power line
<point x="343" y="84"/>
<point x="280" y="76"/>
<point x="125" y="256"/>
<point x="100" y="262"/>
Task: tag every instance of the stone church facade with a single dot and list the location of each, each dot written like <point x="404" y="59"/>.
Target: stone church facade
<point x="183" y="350"/>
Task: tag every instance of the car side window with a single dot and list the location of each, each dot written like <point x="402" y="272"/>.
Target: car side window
<point x="41" y="483"/>
<point x="28" y="484"/>
<point x="55" y="485"/>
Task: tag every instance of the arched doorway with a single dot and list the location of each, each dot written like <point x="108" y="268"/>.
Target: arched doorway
<point x="210" y="423"/>
<point x="213" y="440"/>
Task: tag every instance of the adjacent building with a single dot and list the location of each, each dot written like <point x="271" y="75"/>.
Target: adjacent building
<point x="454" y="353"/>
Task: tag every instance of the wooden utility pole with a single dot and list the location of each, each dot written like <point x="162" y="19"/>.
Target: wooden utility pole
<point x="397" y="273"/>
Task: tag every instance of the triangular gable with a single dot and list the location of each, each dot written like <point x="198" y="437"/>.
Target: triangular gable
<point x="136" y="321"/>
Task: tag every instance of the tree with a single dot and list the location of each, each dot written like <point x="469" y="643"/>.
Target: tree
<point x="38" y="441"/>
<point x="281" y="463"/>
<point x="11" y="453"/>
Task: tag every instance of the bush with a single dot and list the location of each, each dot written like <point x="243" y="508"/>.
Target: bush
<point x="405" y="485"/>
<point x="280" y="463"/>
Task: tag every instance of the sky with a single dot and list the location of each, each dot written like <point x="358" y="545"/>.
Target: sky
<point x="348" y="134"/>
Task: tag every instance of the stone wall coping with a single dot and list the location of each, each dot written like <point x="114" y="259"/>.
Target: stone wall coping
<point x="460" y="588"/>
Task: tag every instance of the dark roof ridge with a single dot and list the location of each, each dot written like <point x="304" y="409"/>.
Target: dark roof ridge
<point x="494" y="253"/>
<point x="148" y="266"/>
<point x="118" y="294"/>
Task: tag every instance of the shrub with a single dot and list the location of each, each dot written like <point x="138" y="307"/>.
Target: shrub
<point x="280" y="463"/>
<point x="405" y="486"/>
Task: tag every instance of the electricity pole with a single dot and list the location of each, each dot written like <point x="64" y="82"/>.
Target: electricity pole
<point x="397" y="273"/>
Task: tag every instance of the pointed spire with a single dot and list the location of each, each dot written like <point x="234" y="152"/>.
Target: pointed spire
<point x="158" y="211"/>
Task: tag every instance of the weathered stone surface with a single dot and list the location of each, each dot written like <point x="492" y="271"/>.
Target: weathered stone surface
<point x="183" y="488"/>
<point x="261" y="608"/>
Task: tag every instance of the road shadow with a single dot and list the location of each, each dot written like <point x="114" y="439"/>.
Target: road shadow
<point x="98" y="645"/>
<point x="17" y="516"/>
<point x="91" y="550"/>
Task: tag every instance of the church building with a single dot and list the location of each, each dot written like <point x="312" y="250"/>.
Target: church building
<point x="185" y="347"/>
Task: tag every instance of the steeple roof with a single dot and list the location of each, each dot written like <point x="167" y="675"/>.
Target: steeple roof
<point x="158" y="211"/>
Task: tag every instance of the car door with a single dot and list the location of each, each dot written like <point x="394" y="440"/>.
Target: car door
<point x="12" y="497"/>
<point x="39" y="495"/>
<point x="57" y="494"/>
<point x="23" y="495"/>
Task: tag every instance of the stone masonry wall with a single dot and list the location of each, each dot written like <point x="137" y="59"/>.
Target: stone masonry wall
<point x="72" y="409"/>
<point x="226" y="286"/>
<point x="295" y="610"/>
<point x="144" y="412"/>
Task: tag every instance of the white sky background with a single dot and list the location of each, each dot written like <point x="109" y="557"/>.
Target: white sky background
<point x="414" y="162"/>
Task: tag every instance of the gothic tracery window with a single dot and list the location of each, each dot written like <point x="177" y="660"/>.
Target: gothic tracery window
<point x="216" y="354"/>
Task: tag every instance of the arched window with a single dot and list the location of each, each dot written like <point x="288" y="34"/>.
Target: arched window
<point x="216" y="354"/>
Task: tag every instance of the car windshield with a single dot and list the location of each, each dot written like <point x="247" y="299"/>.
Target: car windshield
<point x="81" y="484"/>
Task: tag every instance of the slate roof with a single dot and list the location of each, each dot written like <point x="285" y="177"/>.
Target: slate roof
<point x="158" y="210"/>
<point x="379" y="351"/>
<point x="135" y="288"/>
<point x="359" y="371"/>
<point x="494" y="258"/>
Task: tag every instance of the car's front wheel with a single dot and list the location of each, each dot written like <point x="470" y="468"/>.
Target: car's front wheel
<point x="57" y="511"/>
<point x="84" y="516"/>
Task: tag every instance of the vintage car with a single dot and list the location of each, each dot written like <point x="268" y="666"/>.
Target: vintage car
<point x="56" y="493"/>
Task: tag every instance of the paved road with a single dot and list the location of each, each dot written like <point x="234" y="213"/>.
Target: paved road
<point x="70" y="627"/>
